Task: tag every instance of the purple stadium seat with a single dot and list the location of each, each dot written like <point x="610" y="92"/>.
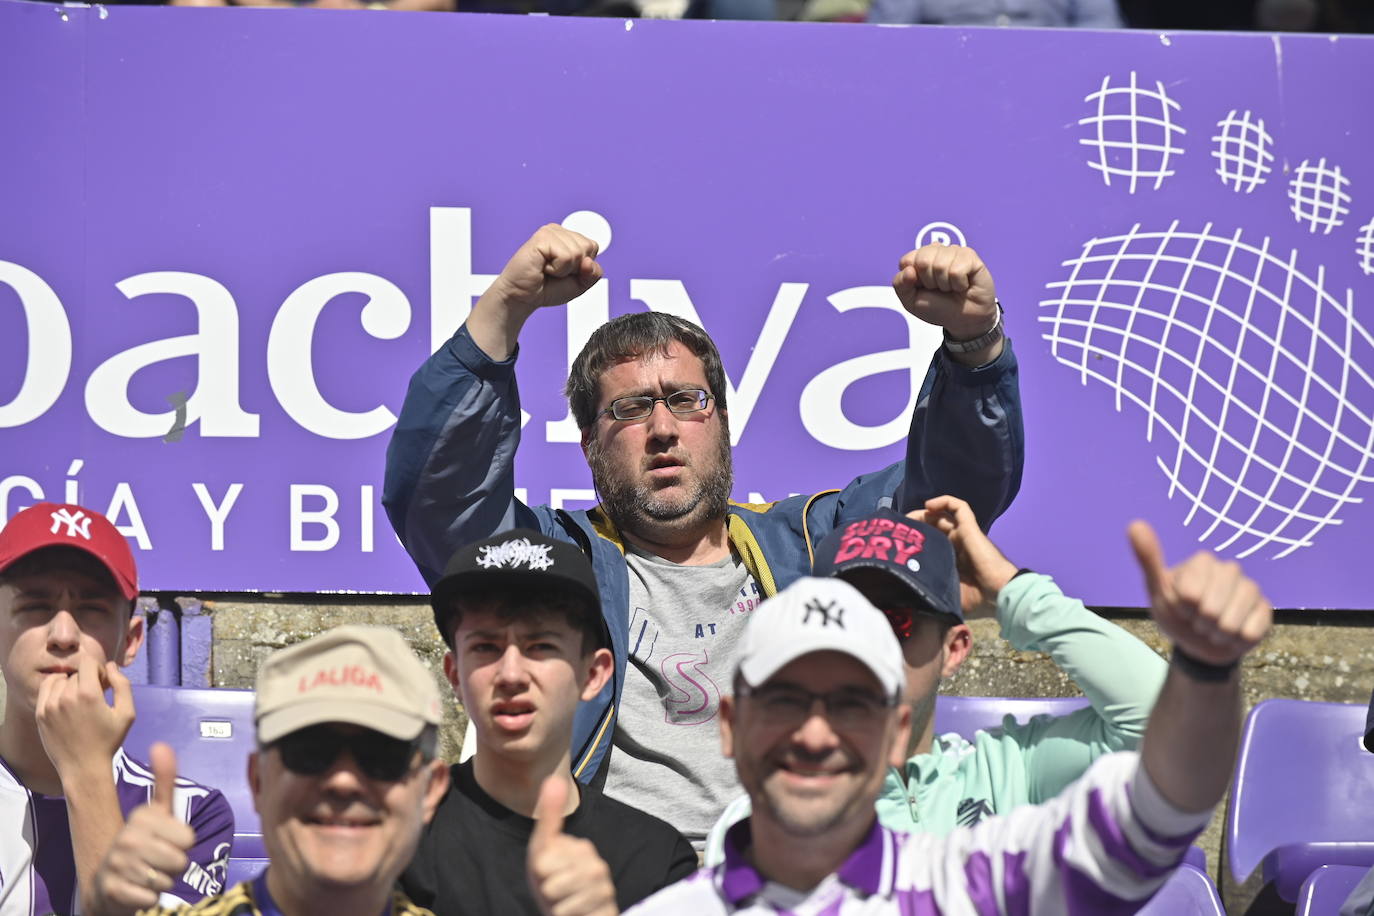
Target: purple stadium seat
<point x="1301" y="794"/>
<point x="966" y="715"/>
<point x="1327" y="888"/>
<point x="244" y="869"/>
<point x="211" y="729"/>
<point x="1188" y="892"/>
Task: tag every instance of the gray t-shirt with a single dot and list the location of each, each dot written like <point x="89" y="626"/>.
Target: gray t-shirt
<point x="685" y="629"/>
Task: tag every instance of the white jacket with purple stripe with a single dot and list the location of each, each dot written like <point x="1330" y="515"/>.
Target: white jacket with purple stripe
<point x="1102" y="847"/>
<point x="37" y="869"/>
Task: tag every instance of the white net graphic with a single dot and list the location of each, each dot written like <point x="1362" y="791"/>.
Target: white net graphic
<point x="1243" y="151"/>
<point x="1364" y="248"/>
<point x="1256" y="374"/>
<point x="1318" y="196"/>
<point x="1134" y="132"/>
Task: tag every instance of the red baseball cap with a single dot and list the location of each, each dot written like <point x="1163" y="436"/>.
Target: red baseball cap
<point x="65" y="525"/>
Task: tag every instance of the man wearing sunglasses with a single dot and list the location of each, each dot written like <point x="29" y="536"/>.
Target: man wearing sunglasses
<point x="913" y="570"/>
<point x="521" y="617"/>
<point x="344" y="780"/>
<point x="679" y="566"/>
<point x="817" y="719"/>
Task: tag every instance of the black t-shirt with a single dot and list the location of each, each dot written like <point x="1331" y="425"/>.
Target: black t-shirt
<point x="471" y="858"/>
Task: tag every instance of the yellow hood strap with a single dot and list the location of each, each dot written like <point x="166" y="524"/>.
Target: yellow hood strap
<point x="741" y="538"/>
<point x="806" y="526"/>
<point x="745" y="544"/>
<point x="606" y="528"/>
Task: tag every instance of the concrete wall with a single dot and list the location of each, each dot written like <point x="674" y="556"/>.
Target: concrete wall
<point x="1309" y="656"/>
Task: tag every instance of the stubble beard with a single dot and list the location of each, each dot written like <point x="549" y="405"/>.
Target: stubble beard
<point x="637" y="507"/>
<point x="804" y="820"/>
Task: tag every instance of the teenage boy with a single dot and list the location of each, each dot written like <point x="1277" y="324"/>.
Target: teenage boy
<point x="67" y="589"/>
<point x="521" y="616"/>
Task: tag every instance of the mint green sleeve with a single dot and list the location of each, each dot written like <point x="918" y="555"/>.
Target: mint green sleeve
<point x="1120" y="675"/>
<point x="713" y="852"/>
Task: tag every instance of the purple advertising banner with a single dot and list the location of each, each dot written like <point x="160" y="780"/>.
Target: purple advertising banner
<point x="228" y="237"/>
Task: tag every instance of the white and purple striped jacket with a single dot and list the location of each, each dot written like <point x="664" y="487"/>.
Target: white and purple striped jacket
<point x="1102" y="847"/>
<point x="37" y="869"/>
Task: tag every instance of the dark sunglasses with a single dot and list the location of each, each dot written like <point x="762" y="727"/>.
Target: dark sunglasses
<point x="901" y="620"/>
<point x="311" y="751"/>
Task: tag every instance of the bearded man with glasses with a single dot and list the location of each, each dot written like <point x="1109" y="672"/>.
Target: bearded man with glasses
<point x="344" y="779"/>
<point x="679" y="566"/>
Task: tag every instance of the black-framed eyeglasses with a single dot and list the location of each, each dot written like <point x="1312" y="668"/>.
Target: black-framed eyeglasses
<point x="786" y="705"/>
<point x="313" y="750"/>
<point x="637" y="407"/>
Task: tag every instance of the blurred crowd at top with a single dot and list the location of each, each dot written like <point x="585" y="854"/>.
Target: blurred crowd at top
<point x="1219" y="15"/>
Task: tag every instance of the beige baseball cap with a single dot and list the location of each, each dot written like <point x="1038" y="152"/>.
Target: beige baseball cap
<point x="361" y="675"/>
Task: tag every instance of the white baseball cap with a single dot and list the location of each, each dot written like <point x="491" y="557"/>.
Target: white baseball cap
<point x="821" y="615"/>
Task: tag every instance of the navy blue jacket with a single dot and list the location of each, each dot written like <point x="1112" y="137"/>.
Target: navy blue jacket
<point x="450" y="481"/>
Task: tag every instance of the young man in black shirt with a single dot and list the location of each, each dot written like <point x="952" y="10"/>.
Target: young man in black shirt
<point x="521" y="617"/>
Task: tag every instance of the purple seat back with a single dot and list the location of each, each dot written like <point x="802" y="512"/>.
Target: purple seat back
<point x="1188" y="892"/>
<point x="966" y="715"/>
<point x="244" y="869"/>
<point x="1327" y="888"/>
<point x="1301" y="793"/>
<point x="211" y="730"/>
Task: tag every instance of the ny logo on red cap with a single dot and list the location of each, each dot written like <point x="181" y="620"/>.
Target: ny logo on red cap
<point x="78" y="524"/>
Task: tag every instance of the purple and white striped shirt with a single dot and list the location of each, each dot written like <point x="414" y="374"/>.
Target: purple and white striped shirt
<point x="1104" y="846"/>
<point x="38" y="872"/>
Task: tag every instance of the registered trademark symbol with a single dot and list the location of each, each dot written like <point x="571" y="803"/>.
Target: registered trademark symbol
<point x="939" y="233"/>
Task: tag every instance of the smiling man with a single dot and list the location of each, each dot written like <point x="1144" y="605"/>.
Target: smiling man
<point x="344" y="779"/>
<point x="520" y="615"/>
<point x="817" y="718"/>
<point x="679" y="566"/>
<point x="67" y="624"/>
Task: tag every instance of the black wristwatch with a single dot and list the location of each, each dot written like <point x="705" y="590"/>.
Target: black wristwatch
<point x="987" y="339"/>
<point x="1199" y="670"/>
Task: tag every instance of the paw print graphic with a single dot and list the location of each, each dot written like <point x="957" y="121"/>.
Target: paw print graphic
<point x="1249" y="365"/>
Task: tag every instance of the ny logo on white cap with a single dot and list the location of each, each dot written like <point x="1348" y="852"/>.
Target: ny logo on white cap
<point x="814" y="606"/>
<point x="77" y="525"/>
<point x="515" y="553"/>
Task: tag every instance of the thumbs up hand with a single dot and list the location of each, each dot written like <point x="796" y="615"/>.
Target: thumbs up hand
<point x="1208" y="607"/>
<point x="149" y="853"/>
<point x="567" y="875"/>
